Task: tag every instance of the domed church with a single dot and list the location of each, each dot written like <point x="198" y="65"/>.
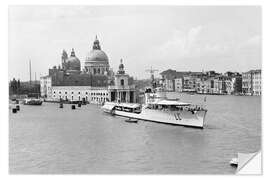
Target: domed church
<point x="97" y="62"/>
<point x="95" y="84"/>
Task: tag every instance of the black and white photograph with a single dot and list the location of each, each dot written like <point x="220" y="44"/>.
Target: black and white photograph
<point x="135" y="89"/>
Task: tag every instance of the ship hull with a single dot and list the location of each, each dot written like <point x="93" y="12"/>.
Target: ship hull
<point x="181" y="118"/>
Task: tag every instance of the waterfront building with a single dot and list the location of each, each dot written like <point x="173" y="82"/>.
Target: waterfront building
<point x="229" y="88"/>
<point x="46" y="86"/>
<point x="247" y="83"/>
<point x="123" y="89"/>
<point x="79" y="93"/>
<point x="256" y="80"/>
<point x="236" y="84"/>
<point x="178" y="84"/>
<point x="202" y="86"/>
<point x="216" y="86"/>
<point x="251" y="82"/>
<point x="167" y="80"/>
<point x="92" y="84"/>
<point x="209" y="85"/>
<point x="189" y="84"/>
<point x="169" y="84"/>
<point x="233" y="82"/>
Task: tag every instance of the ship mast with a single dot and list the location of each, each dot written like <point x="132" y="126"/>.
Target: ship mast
<point x="35" y="77"/>
<point x="30" y="71"/>
<point x="152" y="71"/>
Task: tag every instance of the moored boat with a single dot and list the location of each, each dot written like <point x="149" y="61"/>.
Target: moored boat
<point x="131" y="120"/>
<point x="32" y="101"/>
<point x="234" y="162"/>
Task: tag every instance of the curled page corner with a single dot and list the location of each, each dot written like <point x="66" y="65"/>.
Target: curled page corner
<point x="249" y="163"/>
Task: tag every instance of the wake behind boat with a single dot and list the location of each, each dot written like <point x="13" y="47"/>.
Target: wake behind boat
<point x="158" y="108"/>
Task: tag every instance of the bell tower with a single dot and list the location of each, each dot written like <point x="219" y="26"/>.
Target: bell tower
<point x="122" y="91"/>
<point x="64" y="58"/>
<point x="121" y="67"/>
<point x="121" y="78"/>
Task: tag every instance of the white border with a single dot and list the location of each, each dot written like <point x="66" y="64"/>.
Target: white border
<point x="4" y="79"/>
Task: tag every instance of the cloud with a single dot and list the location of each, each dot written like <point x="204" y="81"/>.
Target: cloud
<point x="193" y="34"/>
<point x="188" y="44"/>
<point x="203" y="41"/>
<point x="180" y="44"/>
<point x="252" y="42"/>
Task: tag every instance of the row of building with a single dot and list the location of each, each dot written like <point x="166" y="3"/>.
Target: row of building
<point x="210" y="82"/>
<point x="95" y="82"/>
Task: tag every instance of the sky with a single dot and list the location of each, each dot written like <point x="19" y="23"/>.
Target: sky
<point x="184" y="38"/>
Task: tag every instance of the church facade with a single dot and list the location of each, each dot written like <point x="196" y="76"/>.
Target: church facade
<point x="95" y="83"/>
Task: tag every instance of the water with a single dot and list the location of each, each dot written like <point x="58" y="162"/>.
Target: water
<point x="46" y="139"/>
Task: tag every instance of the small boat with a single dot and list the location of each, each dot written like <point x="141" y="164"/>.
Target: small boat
<point x="32" y="101"/>
<point x="234" y="162"/>
<point x="131" y="120"/>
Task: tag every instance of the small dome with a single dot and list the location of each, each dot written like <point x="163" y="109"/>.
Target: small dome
<point x="121" y="66"/>
<point x="73" y="63"/>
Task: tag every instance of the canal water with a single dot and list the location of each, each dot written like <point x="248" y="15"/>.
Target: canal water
<point x="49" y="140"/>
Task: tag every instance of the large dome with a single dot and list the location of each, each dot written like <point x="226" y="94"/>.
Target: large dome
<point x="97" y="55"/>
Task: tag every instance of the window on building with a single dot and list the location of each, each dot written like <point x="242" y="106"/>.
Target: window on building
<point x="122" y="82"/>
<point x="65" y="92"/>
<point x="86" y="92"/>
<point x="71" y="92"/>
<point x="79" y="92"/>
